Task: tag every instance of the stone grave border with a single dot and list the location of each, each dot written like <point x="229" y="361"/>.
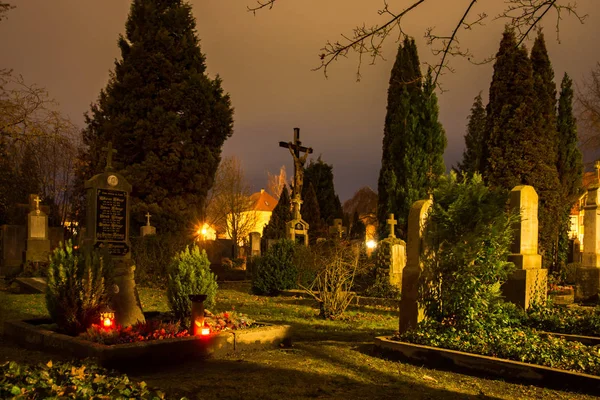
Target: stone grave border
<point x="485" y="365"/>
<point x="29" y="334"/>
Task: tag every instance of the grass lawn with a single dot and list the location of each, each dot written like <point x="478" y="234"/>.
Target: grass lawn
<point x="329" y="359"/>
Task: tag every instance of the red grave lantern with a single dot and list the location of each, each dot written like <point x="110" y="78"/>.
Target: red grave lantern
<point x="107" y="318"/>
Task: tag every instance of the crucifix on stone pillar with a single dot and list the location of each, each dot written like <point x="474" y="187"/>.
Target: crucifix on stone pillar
<point x="37" y="204"/>
<point x="148" y="219"/>
<point x="391" y="222"/>
<point x="295" y="149"/>
<point x="110" y="151"/>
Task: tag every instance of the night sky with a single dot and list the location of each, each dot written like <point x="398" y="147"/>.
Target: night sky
<point x="265" y="61"/>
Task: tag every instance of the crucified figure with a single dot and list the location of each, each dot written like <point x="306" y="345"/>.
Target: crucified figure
<point x="295" y="150"/>
<point x="298" y="171"/>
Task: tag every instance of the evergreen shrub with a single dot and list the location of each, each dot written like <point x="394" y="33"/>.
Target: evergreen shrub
<point x="382" y="288"/>
<point x="76" y="288"/>
<point x="468" y="236"/>
<point x="152" y="255"/>
<point x="189" y="273"/>
<point x="276" y="269"/>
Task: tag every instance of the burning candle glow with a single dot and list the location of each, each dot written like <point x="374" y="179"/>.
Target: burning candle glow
<point x="107" y="318"/>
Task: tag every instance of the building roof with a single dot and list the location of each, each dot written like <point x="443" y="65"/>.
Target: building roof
<point x="263" y="201"/>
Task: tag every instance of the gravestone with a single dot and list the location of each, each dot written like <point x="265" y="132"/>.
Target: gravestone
<point x="337" y="229"/>
<point x="13" y="239"/>
<point x="254" y="244"/>
<point x="410" y="310"/>
<point x="587" y="276"/>
<point x="574" y="251"/>
<point x="147" y="229"/>
<point x="391" y="255"/>
<point x="528" y="283"/>
<point x="37" y="248"/>
<point x="107" y="228"/>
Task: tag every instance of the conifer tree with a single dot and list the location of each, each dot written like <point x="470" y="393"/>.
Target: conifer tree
<point x="320" y="174"/>
<point x="310" y="211"/>
<point x="358" y="230"/>
<point x="165" y="117"/>
<point x="547" y="149"/>
<point x="569" y="163"/>
<point x="413" y="140"/>
<point x="432" y="141"/>
<point x="472" y="156"/>
<point x="276" y="228"/>
<point x="522" y="147"/>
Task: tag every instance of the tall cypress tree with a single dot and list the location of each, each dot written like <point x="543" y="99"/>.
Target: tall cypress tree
<point x="547" y="184"/>
<point x="510" y="116"/>
<point x="522" y="147"/>
<point x="282" y="213"/>
<point x="413" y="140"/>
<point x="320" y="174"/>
<point x="432" y="141"/>
<point x="166" y="118"/>
<point x="358" y="230"/>
<point x="569" y="163"/>
<point x="474" y="139"/>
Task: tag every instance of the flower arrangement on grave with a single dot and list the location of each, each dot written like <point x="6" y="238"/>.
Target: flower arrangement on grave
<point x="228" y="320"/>
<point x="140" y="332"/>
<point x="557" y="289"/>
<point x="159" y="330"/>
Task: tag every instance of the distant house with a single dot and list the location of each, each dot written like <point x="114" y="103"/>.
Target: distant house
<point x="264" y="204"/>
<point x="260" y="211"/>
<point x="576" y="231"/>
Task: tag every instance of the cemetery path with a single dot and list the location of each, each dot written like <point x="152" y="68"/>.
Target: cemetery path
<point x="330" y="369"/>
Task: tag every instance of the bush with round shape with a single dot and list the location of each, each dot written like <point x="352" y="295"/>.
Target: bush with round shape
<point x="276" y="269"/>
<point x="189" y="273"/>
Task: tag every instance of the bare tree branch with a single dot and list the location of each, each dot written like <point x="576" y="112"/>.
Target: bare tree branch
<point x="4" y="7"/>
<point x="523" y="16"/>
<point x="260" y="5"/>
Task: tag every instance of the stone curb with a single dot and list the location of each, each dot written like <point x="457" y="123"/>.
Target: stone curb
<point x="152" y="352"/>
<point x="507" y="369"/>
<point x="356" y="300"/>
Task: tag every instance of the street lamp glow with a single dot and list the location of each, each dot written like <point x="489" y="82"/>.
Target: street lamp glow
<point x="371" y="244"/>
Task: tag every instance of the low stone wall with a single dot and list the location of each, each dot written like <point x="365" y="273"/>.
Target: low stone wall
<point x="29" y="334"/>
<point x="489" y="366"/>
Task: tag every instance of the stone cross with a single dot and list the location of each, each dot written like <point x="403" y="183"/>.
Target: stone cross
<point x="110" y="151"/>
<point x="597" y="166"/>
<point x="37" y="204"/>
<point x="296" y="148"/>
<point x="391" y="222"/>
<point x="148" y="219"/>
